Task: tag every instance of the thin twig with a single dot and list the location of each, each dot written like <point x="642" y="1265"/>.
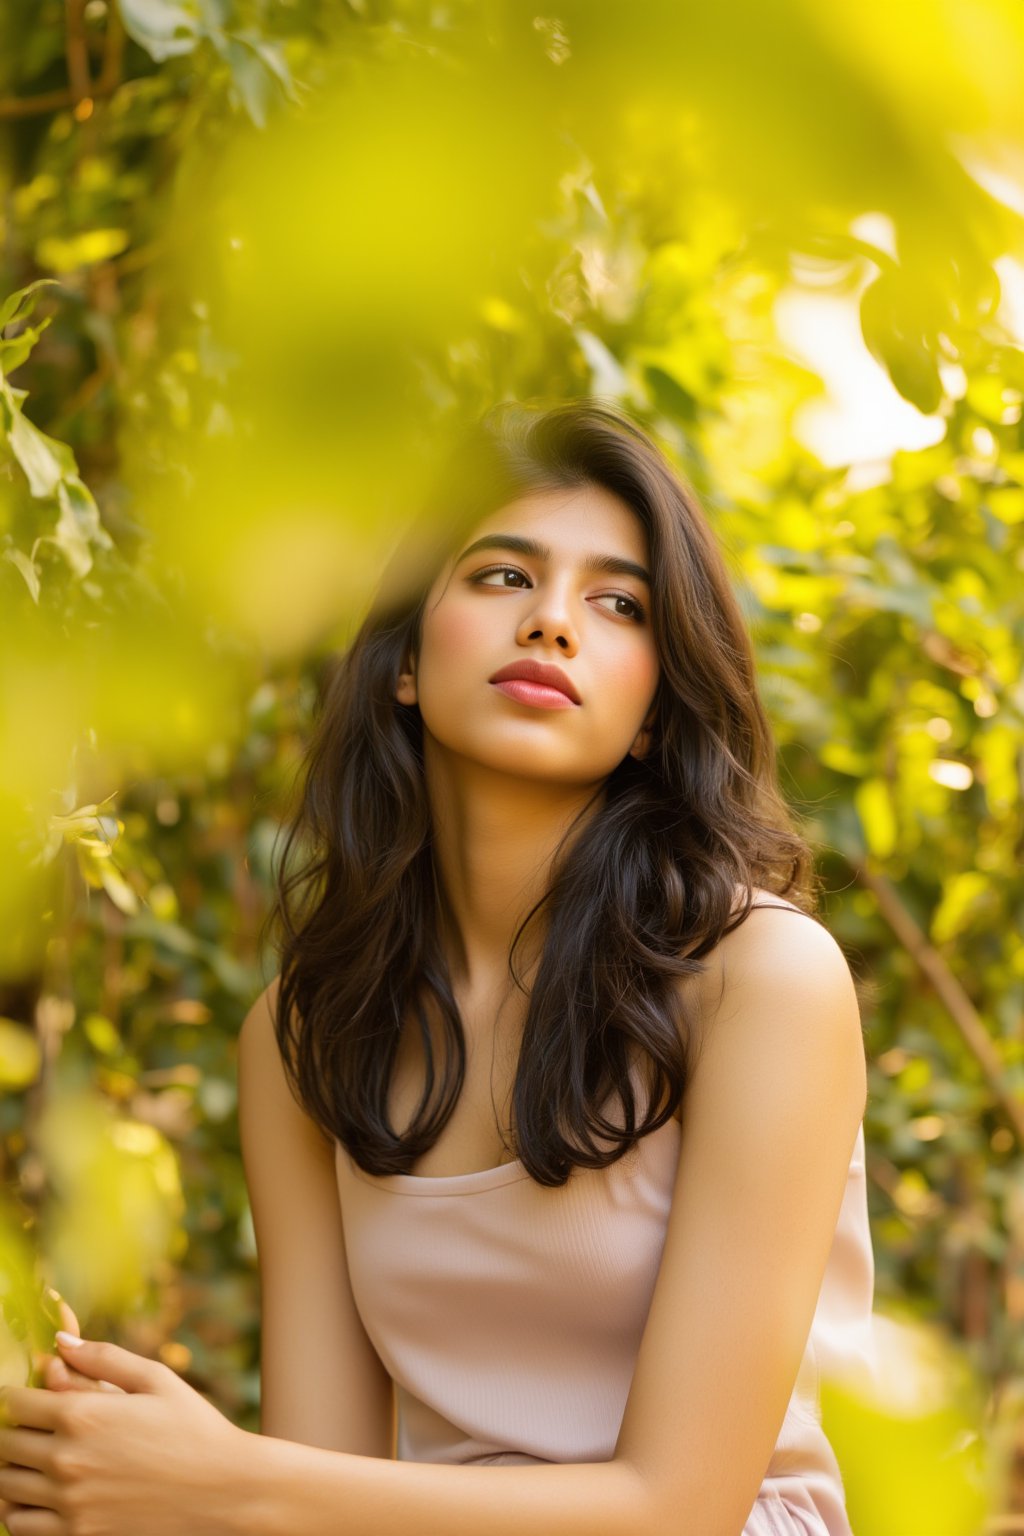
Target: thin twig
<point x="76" y="50"/>
<point x="109" y="79"/>
<point x="47" y="101"/>
<point x="950" y="992"/>
<point x="113" y="54"/>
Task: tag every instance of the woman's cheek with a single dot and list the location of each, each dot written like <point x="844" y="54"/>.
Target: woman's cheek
<point x="452" y="668"/>
<point x="628" y="682"/>
<point x="453" y="634"/>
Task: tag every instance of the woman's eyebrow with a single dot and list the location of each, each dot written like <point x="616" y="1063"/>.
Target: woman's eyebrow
<point x="611" y="565"/>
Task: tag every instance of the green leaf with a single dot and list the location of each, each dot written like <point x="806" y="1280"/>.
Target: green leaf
<point x="81" y="250"/>
<point x="249" y="78"/>
<point x="44" y="460"/>
<point x="11" y="305"/>
<point x="79" y="525"/>
<point x="117" y="888"/>
<point x="987" y="394"/>
<point x="101" y="1034"/>
<point x="842" y="758"/>
<point x="895" y="334"/>
<point x="960" y="895"/>
<point x="910" y="1441"/>
<point x="69" y="538"/>
<point x="1006" y="503"/>
<point x="273" y="57"/>
<point x="874" y="807"/>
<point x="608" y="377"/>
<point x="27" y="1316"/>
<point x="87" y="824"/>
<point x="163" y="29"/>
<point x="258" y="68"/>
<point x="20" y="1057"/>
<point x="14" y="352"/>
<point x="27" y="567"/>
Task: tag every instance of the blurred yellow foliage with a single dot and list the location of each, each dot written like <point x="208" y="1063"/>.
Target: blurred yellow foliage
<point x="114" y="1215"/>
<point x="910" y="1437"/>
<point x="19" y="1056"/>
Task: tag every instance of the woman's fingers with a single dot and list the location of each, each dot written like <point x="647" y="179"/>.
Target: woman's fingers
<point x="58" y="1376"/>
<point x="63" y="1377"/>
<point x="50" y="1371"/>
<point x="40" y="1522"/>
<point x="24" y="1485"/>
<point x="68" y="1320"/>
<point x="55" y="1373"/>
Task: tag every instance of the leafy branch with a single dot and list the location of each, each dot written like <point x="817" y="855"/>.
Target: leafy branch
<point x="164" y="30"/>
<point x="49" y="466"/>
<point x="950" y="992"/>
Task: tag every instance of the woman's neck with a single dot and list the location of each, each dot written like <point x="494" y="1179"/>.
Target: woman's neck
<point x="495" y="838"/>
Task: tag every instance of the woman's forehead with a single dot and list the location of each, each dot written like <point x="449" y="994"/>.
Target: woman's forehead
<point x="583" y="519"/>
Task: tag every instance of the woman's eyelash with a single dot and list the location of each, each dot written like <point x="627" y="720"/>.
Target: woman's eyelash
<point x="622" y="597"/>
<point x="492" y="570"/>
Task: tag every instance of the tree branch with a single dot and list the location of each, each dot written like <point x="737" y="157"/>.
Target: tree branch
<point x="950" y="992"/>
<point x="113" y="54"/>
<point x="12" y="107"/>
<point x="76" y="50"/>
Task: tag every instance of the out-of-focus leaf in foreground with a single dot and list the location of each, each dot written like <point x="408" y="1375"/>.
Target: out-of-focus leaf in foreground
<point x="113" y="1221"/>
<point x="910" y="1438"/>
<point x="20" y="1056"/>
<point x="337" y="257"/>
<point x="27" y="1315"/>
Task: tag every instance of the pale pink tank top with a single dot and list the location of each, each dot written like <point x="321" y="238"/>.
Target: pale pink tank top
<point x="509" y="1315"/>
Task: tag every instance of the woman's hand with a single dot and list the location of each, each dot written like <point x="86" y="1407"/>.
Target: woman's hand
<point x="57" y="1374"/>
<point x="154" y="1457"/>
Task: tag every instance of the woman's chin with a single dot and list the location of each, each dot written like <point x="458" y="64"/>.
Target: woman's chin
<point x="534" y="766"/>
<point x="531" y="750"/>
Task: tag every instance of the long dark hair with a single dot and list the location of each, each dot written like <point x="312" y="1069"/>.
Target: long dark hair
<point x="647" y="888"/>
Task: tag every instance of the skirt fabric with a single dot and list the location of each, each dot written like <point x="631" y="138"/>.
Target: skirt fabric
<point x="777" y="1514"/>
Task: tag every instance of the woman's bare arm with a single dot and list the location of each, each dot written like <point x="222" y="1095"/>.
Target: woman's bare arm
<point x="322" y="1381"/>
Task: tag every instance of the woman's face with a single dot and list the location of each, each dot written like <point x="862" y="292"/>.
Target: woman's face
<point x="555" y="578"/>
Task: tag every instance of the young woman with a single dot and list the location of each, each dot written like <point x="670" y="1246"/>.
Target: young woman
<point x="552" y="1121"/>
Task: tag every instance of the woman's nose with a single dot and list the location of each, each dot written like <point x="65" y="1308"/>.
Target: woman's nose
<point x="550" y="620"/>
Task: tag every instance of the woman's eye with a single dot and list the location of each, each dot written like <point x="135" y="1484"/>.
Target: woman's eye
<point x="510" y="574"/>
<point x="625" y="607"/>
<point x="511" y="577"/>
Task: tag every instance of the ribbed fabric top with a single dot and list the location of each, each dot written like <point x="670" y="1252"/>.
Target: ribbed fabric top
<point x="509" y="1314"/>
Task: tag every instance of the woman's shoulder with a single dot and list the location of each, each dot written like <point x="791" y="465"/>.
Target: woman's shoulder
<point x="783" y="991"/>
<point x="777" y="927"/>
<point x="778" y="944"/>
<point x="764" y="898"/>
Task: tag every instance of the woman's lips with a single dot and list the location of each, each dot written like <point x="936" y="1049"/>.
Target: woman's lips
<point x="537" y="694"/>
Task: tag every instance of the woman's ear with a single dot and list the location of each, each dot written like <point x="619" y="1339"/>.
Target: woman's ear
<point x="405" y="689"/>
